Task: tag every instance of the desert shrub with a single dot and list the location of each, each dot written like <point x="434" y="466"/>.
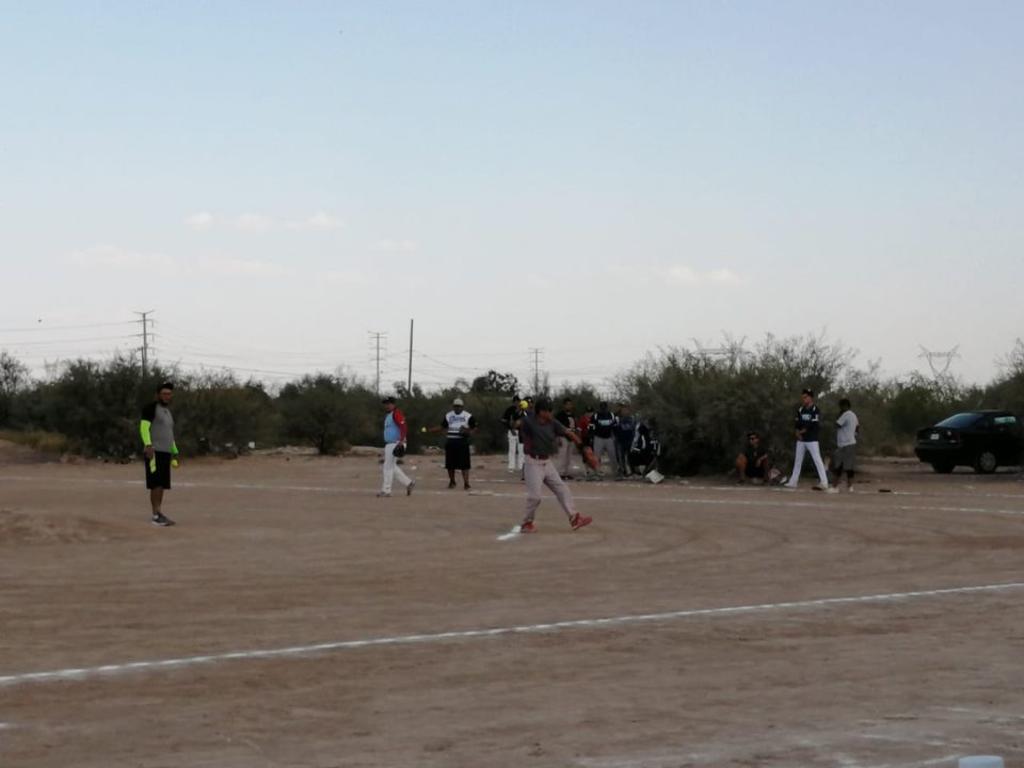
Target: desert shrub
<point x="705" y="405"/>
<point x="44" y="442"/>
<point x="213" y="411"/>
<point x="329" y="412"/>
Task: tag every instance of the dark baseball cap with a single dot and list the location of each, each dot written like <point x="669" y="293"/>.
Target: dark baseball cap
<point x="388" y="399"/>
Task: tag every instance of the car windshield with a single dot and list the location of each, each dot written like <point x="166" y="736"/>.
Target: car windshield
<point x="960" y="421"/>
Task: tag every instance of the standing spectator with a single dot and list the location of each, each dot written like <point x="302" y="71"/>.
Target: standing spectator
<point x="602" y="430"/>
<point x="458" y="424"/>
<point x="624" y="429"/>
<point x="583" y="428"/>
<point x="567" y="418"/>
<point x="845" y="457"/>
<point x="396" y="433"/>
<point x="156" y="428"/>
<point x="808" y="427"/>
<point x="515" y="448"/>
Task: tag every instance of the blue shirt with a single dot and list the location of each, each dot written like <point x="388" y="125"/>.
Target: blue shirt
<point x="392" y="432"/>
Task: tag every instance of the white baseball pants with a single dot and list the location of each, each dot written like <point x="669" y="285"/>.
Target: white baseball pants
<point x="798" y="463"/>
<point x="541" y="472"/>
<point x="392" y="470"/>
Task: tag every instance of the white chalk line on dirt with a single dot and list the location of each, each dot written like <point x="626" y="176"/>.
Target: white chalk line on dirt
<point x="781" y="499"/>
<point x="435" y="637"/>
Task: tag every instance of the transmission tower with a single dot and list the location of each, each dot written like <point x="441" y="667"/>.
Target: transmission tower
<point x="144" y="320"/>
<point x="536" y="352"/>
<point x="732" y="350"/>
<point x="378" y="339"/>
<point x="940" y="362"/>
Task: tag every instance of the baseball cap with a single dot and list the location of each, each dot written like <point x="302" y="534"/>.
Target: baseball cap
<point x="457" y="401"/>
<point x="388" y="399"/>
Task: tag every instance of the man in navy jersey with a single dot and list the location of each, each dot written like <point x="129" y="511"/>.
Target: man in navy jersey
<point x="602" y="431"/>
<point x="808" y="428"/>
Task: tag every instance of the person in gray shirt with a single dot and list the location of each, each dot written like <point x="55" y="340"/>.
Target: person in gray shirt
<point x="845" y="457"/>
<point x="539" y="433"/>
<point x="156" y="428"/>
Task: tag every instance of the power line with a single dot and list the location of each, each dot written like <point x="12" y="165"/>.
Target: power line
<point x="46" y="328"/>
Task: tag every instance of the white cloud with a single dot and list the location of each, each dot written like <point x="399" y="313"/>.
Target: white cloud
<point x="253" y="222"/>
<point x="396" y="246"/>
<point x="321" y="221"/>
<point x="722" y="276"/>
<point x="201" y="221"/>
<point x="338" y="277"/>
<point x="245" y="267"/>
<point x="110" y="257"/>
<point x="674" y="274"/>
<point x="106" y="256"/>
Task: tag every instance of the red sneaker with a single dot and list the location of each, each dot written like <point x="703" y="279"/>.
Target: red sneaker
<point x="528" y="527"/>
<point x="578" y="521"/>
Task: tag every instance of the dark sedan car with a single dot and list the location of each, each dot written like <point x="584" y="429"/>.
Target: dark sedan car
<point x="980" y="439"/>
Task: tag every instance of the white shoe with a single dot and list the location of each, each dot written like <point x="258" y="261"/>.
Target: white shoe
<point x="383" y="495"/>
<point x="832" y="489"/>
<point x="789" y="486"/>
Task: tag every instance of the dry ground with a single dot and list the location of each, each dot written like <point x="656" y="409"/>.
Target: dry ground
<point x="283" y="552"/>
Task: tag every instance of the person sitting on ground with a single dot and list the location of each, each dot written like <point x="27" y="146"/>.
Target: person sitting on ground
<point x="753" y="463"/>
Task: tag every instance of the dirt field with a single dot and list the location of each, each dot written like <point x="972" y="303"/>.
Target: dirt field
<point x="726" y="643"/>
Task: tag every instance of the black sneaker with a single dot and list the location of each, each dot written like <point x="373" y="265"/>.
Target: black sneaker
<point x="451" y="484"/>
<point x="409" y="487"/>
<point x="162" y="520"/>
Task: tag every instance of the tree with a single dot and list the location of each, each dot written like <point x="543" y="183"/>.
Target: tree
<point x="493" y="382"/>
<point x="14" y="378"/>
<point x="327" y="412"/>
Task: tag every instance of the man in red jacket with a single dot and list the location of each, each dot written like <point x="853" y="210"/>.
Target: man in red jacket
<point x="396" y="432"/>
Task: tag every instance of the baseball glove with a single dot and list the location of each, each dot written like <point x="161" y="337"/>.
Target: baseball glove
<point x="399" y="451"/>
<point x="589" y="458"/>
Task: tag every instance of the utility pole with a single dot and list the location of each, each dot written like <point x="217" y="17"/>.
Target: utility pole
<point x="145" y="340"/>
<point x="376" y="337"/>
<point x="536" y="352"/>
<point x="409" y="385"/>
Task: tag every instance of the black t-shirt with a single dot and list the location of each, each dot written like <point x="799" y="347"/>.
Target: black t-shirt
<point x="808" y="418"/>
<point x="509" y="416"/>
<point x="566" y="419"/>
<point x="754" y="453"/>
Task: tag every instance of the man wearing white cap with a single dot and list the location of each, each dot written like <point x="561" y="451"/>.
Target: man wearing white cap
<point x="458" y="424"/>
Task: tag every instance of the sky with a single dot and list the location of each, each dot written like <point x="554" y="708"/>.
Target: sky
<point x="278" y="182"/>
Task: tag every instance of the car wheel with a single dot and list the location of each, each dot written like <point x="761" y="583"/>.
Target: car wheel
<point x="942" y="467"/>
<point x="985" y="463"/>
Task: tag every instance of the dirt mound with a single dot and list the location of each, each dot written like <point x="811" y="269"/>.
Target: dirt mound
<point x="12" y="453"/>
<point x="18" y="527"/>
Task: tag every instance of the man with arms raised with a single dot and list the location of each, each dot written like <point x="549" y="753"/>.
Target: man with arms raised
<point x="539" y="432"/>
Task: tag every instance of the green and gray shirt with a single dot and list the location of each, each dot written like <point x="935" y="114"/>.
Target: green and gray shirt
<point x="157" y="428"/>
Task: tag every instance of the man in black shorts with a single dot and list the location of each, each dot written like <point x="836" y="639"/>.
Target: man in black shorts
<point x="458" y="424"/>
<point x="161" y="452"/>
